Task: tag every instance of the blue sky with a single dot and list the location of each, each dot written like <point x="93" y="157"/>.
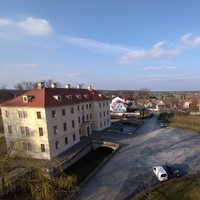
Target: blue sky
<point x="108" y="44"/>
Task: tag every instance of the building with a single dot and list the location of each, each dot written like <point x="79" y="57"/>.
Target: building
<point x="118" y="105"/>
<point x="44" y="122"/>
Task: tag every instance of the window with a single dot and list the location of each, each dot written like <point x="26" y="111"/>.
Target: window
<point x="78" y="108"/>
<point x="74" y="136"/>
<point x="72" y="110"/>
<point x="79" y="120"/>
<point x="63" y="112"/>
<point x="104" y="113"/>
<point x="39" y="115"/>
<point x="66" y="140"/>
<point x="42" y="147"/>
<point x="22" y="114"/>
<point x="65" y="126"/>
<point x="25" y="99"/>
<point x="9" y="129"/>
<point x="99" y="105"/>
<point x="57" y="146"/>
<point x="100" y="124"/>
<point x="25" y="114"/>
<point x="82" y="107"/>
<point x="100" y="114"/>
<point x="27" y="146"/>
<point x="90" y="116"/>
<point x="107" y="103"/>
<point x="103" y="104"/>
<point x="90" y="106"/>
<point x="87" y="117"/>
<point x="55" y="129"/>
<point x="53" y="113"/>
<point x="25" y="130"/>
<point x="86" y="106"/>
<point x="40" y="131"/>
<point x="7" y="113"/>
<point x="73" y="124"/>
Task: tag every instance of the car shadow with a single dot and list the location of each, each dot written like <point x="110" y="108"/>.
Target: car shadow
<point x="183" y="168"/>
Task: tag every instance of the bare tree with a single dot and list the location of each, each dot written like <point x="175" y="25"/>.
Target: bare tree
<point x="33" y="178"/>
<point x="25" y="85"/>
<point x="29" y="85"/>
<point x="144" y="93"/>
<point x="48" y="83"/>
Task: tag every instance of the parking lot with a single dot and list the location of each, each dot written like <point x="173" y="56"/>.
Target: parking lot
<point x="129" y="170"/>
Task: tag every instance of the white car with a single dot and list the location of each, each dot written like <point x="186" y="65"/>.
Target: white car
<point x="162" y="125"/>
<point x="160" y="173"/>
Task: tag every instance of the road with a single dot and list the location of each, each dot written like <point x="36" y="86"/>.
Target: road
<point x="129" y="170"/>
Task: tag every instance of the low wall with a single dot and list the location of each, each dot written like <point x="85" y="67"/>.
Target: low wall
<point x="68" y="161"/>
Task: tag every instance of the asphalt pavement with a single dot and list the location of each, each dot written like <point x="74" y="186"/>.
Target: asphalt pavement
<point x="129" y="171"/>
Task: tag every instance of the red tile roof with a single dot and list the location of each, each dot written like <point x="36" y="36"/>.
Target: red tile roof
<point x="45" y="97"/>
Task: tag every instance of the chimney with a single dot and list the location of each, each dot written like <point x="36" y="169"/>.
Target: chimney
<point x="89" y="87"/>
<point x="40" y="85"/>
<point x="68" y="86"/>
<point x="78" y="86"/>
<point x="53" y="85"/>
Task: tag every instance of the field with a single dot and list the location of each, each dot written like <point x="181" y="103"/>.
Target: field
<point x="186" y="122"/>
<point x="185" y="189"/>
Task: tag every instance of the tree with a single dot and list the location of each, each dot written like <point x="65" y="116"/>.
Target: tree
<point x="25" y="85"/>
<point x="48" y="83"/>
<point x="29" y="85"/>
<point x="144" y="93"/>
<point x="34" y="180"/>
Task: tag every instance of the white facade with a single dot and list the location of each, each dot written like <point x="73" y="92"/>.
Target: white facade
<point x="45" y="132"/>
<point x="118" y="105"/>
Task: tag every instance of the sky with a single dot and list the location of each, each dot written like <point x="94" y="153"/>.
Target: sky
<point x="106" y="44"/>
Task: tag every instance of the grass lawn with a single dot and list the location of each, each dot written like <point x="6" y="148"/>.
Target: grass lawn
<point x="2" y="140"/>
<point x="185" y="189"/>
<point x="188" y="122"/>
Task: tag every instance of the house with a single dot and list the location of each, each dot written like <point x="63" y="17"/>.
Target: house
<point x="156" y="105"/>
<point x="44" y="122"/>
<point x="118" y="105"/>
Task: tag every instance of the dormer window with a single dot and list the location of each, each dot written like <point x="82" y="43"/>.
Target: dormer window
<point x="86" y="96"/>
<point x="69" y="96"/>
<point x="78" y="96"/>
<point x="26" y="99"/>
<point x="57" y="97"/>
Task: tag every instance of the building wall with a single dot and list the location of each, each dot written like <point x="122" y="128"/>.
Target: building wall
<point x="119" y="107"/>
<point x="25" y="129"/>
<point x="101" y="115"/>
<point x="61" y="126"/>
<point x="60" y="138"/>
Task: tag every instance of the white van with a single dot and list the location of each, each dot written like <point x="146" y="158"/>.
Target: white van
<point x="160" y="172"/>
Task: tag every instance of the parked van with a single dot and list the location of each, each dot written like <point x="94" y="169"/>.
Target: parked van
<point x="160" y="172"/>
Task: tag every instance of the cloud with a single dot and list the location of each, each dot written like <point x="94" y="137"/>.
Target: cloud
<point x="190" y="41"/>
<point x="95" y="45"/>
<point x="160" y="68"/>
<point x="29" y="26"/>
<point x="160" y="78"/>
<point x="156" y="52"/>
